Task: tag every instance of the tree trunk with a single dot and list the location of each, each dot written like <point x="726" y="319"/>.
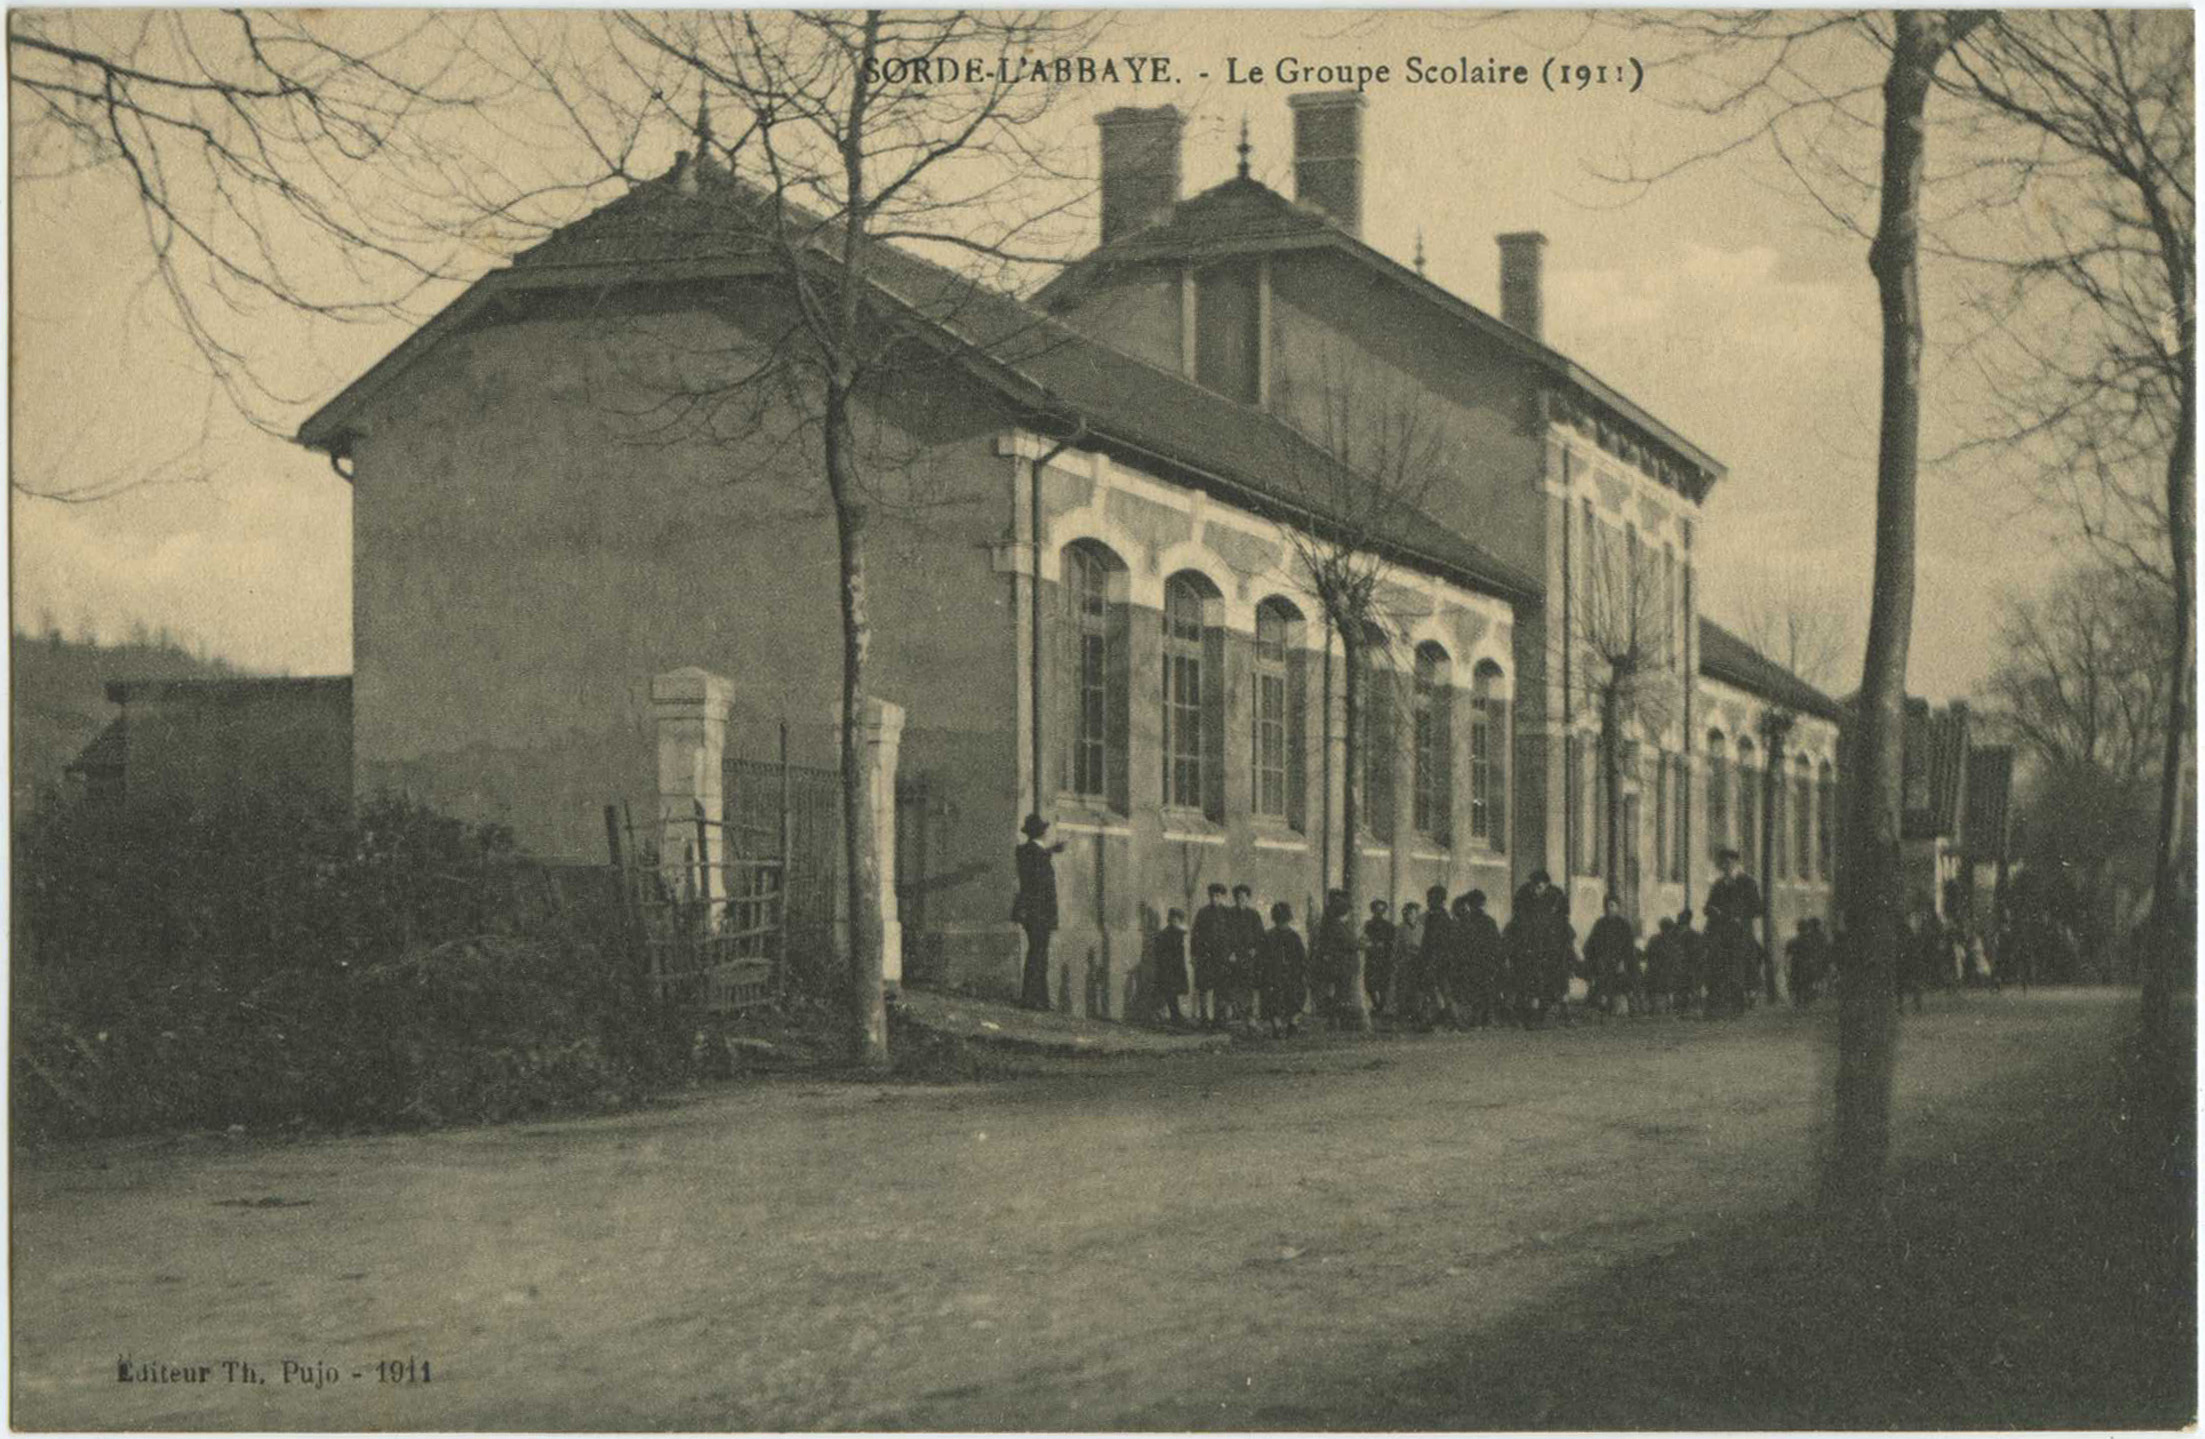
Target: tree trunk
<point x="1611" y="770"/>
<point x="2171" y="943"/>
<point x="868" y="1013"/>
<point x="1324" y="828"/>
<point x="1867" y="1018"/>
<point x="1351" y="868"/>
<point x="861" y="859"/>
<point x="1351" y="771"/>
<point x="1771" y="780"/>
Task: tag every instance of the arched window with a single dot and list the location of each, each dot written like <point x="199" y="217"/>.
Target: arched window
<point x="1379" y="741"/>
<point x="1573" y="801"/>
<point x="1749" y="801"/>
<point x="1597" y="862"/>
<point x="1434" y="715"/>
<point x="1488" y="757"/>
<point x="1672" y="632"/>
<point x="1281" y="709"/>
<point x="1095" y="675"/>
<point x="1826" y="819"/>
<point x="1193" y="698"/>
<point x="1774" y="795"/>
<point x="1718" y="796"/>
<point x="1588" y="560"/>
<point x="1803" y="843"/>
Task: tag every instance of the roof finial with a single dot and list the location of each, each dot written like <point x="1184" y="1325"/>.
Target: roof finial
<point x="1244" y="147"/>
<point x="704" y="121"/>
<point x="1420" y="250"/>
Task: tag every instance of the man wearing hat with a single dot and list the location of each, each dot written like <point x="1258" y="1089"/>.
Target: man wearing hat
<point x="1733" y="903"/>
<point x="1211" y="943"/>
<point x="1035" y="909"/>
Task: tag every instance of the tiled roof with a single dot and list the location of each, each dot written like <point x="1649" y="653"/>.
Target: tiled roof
<point x="1237" y="214"/>
<point x="1726" y="657"/>
<point x="1049" y="370"/>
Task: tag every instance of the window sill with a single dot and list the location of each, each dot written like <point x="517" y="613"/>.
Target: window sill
<point x="1084" y="814"/>
<point x="1190" y="826"/>
<point x="1282" y="841"/>
<point x="1081" y="826"/>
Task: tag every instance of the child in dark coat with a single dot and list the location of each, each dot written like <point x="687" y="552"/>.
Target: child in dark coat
<point x="1283" y="965"/>
<point x="1170" y="962"/>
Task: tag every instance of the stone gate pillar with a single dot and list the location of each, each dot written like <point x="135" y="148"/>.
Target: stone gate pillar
<point x="882" y="731"/>
<point x="690" y="706"/>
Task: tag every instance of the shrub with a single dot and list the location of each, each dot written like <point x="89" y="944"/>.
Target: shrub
<point x="255" y="967"/>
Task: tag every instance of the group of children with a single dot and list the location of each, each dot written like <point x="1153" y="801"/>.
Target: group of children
<point x="1244" y="971"/>
<point x="1449" y="963"/>
<point x="1443" y="963"/>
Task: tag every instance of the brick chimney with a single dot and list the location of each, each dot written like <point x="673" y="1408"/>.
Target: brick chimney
<point x="1328" y="154"/>
<point x="1523" y="266"/>
<point x="1140" y="166"/>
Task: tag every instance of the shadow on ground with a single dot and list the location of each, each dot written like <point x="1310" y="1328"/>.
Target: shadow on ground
<point x="2043" y="1277"/>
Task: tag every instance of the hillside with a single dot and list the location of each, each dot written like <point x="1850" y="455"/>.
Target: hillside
<point x="59" y="698"/>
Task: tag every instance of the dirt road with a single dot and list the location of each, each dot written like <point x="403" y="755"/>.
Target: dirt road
<point x="1271" y="1237"/>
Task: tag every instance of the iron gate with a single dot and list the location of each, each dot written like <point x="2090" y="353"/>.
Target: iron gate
<point x="707" y="933"/>
<point x="725" y="911"/>
<point x="791" y="815"/>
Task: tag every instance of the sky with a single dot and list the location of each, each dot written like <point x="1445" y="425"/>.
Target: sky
<point x="1721" y="300"/>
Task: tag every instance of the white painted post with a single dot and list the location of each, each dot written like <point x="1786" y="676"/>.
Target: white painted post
<point x="691" y="707"/>
<point x="882" y="727"/>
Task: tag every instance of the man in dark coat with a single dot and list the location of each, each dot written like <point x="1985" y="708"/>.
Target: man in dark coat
<point x="1408" y="965"/>
<point x="1661" y="964"/>
<point x="1212" y="944"/>
<point x="1732" y="906"/>
<point x="1283" y="972"/>
<point x="1609" y="956"/>
<point x="1378" y="956"/>
<point x="1035" y="909"/>
<point x="1688" y="962"/>
<point x="1242" y="983"/>
<point x="1170" y="963"/>
<point x="1519" y="960"/>
<point x="1478" y="940"/>
<point x="1439" y="943"/>
<point x="1557" y="941"/>
<point x="1334" y="954"/>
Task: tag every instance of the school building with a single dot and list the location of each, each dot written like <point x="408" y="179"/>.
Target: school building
<point x="1089" y="567"/>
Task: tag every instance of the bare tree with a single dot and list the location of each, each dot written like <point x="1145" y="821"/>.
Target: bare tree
<point x="2083" y="676"/>
<point x="1867" y="1015"/>
<point x="2080" y="688"/>
<point x="823" y="168"/>
<point x="2101" y="392"/>
<point x="1376" y="452"/>
<point x="1625" y="658"/>
<point x="284" y="164"/>
<point x="1796" y="622"/>
<point x="1801" y="84"/>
